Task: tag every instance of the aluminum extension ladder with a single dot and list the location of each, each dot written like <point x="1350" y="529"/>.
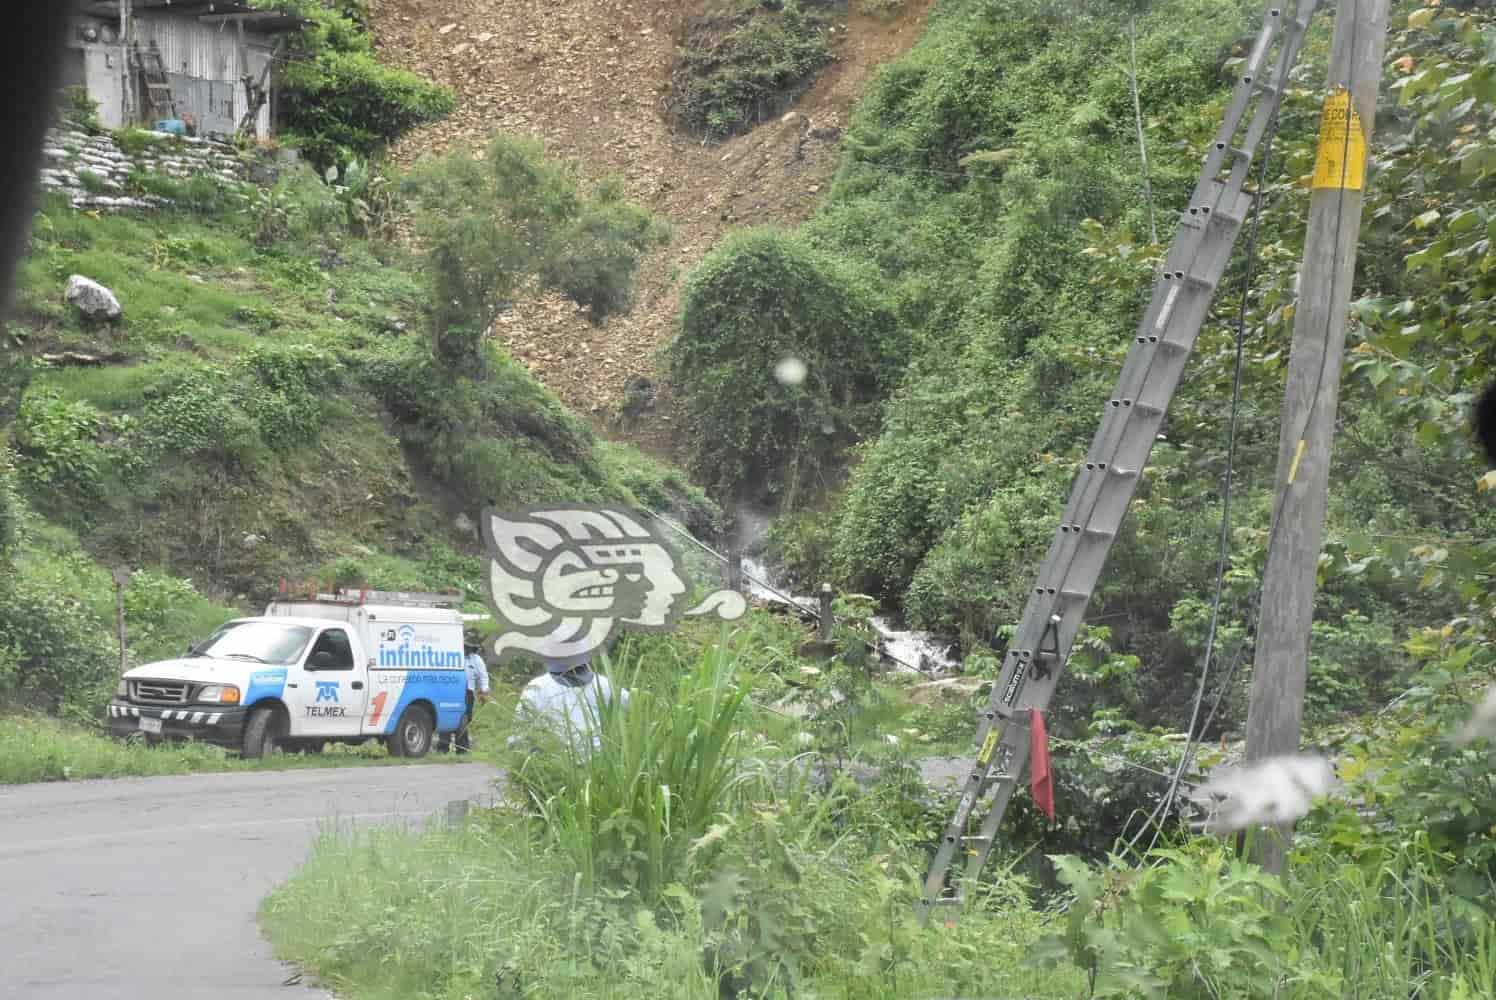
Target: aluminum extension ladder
<point x="1105" y="484"/>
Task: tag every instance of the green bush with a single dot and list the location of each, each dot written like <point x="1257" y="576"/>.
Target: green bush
<point x="759" y="301"/>
<point x="494" y="435"/>
<point x="57" y="440"/>
<point x="285" y="397"/>
<point x="744" y="61"/>
<point x="601" y="252"/>
<point x="79" y="110"/>
<point x="490" y="225"/>
<point x="338" y="100"/>
<point x="192" y="412"/>
<point x="669" y="763"/>
<point x="58" y="656"/>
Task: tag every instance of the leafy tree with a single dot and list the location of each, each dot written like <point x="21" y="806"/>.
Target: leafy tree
<point x="490" y="225"/>
<point x="782" y="356"/>
<point x="339" y="100"/>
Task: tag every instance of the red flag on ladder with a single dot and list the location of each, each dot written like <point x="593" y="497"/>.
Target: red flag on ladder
<point x="1041" y="780"/>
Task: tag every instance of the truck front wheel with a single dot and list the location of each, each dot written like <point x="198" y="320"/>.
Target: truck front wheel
<point x="412" y="735"/>
<point x="262" y="733"/>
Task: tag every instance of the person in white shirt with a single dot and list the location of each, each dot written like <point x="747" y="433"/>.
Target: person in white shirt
<point x="477" y="693"/>
<point x="566" y="699"/>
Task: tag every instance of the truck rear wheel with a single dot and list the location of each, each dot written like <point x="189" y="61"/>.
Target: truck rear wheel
<point x="412" y="735"/>
<point x="263" y="733"/>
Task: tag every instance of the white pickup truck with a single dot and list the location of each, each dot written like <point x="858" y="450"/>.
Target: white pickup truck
<point x="345" y="667"/>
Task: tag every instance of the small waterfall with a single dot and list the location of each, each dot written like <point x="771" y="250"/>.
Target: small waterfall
<point x="918" y="652"/>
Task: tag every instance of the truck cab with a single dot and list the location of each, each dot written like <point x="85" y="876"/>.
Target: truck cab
<point x="345" y="667"/>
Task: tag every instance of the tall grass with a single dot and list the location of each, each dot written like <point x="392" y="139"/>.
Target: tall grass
<point x="666" y="766"/>
<point x="685" y="858"/>
<point x="1390" y="927"/>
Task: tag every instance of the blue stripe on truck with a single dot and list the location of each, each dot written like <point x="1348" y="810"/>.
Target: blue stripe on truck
<point x="446" y="689"/>
<point x="265" y="684"/>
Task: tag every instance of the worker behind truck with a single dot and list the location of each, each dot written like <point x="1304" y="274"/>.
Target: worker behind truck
<point x="477" y="693"/>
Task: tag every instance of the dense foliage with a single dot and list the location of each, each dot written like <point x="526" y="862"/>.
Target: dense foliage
<point x="743" y="61"/>
<point x="491" y="225"/>
<point x="991" y="181"/>
<point x="339" y="102"/>
<point x="783" y="351"/>
<point x="269" y="409"/>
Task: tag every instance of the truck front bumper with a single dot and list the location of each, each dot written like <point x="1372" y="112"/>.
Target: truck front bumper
<point x="222" y="726"/>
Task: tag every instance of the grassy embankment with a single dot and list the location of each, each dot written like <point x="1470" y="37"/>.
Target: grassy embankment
<point x="707" y="840"/>
<point x="268" y="407"/>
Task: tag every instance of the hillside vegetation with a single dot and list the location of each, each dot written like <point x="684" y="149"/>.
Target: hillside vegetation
<point x="281" y="400"/>
<point x="304" y="382"/>
<point x="991" y="183"/>
<point x="960" y="305"/>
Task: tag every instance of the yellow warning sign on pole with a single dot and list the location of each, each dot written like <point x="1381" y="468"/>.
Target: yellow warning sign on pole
<point x="1341" y="163"/>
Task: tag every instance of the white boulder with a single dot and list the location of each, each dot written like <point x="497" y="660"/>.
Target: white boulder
<point x="92" y="299"/>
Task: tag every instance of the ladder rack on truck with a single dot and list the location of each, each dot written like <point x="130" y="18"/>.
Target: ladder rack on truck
<point x="348" y="597"/>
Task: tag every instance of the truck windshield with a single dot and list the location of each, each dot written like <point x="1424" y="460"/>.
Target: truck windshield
<point x="262" y="642"/>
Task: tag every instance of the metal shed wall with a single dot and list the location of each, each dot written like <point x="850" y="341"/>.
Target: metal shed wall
<point x="204" y="65"/>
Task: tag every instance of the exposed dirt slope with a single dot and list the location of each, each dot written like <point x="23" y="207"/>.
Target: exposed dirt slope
<point x="590" y="78"/>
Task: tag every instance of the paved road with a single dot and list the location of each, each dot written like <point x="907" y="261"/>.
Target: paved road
<point x="148" y="887"/>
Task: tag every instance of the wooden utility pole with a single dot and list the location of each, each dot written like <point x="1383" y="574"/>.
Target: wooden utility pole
<point x="1281" y="664"/>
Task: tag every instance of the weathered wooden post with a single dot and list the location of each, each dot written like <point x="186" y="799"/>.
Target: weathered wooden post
<point x="1307" y="432"/>
<point x="121" y="577"/>
<point x="826" y="620"/>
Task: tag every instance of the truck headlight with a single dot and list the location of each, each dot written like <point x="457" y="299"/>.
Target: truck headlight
<point x="124" y="689"/>
<point x="219" y="694"/>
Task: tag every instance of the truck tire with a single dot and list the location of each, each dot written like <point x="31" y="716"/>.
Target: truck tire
<point x="262" y="733"/>
<point x="412" y="735"/>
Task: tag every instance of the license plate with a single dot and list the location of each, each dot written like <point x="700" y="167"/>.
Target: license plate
<point x="150" y="725"/>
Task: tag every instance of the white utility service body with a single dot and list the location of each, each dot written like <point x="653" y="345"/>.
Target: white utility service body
<point x="344" y="667"/>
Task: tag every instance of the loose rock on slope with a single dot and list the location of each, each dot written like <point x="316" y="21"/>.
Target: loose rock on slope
<point x="92" y="299"/>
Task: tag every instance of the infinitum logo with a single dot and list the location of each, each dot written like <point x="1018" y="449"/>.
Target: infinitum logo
<point x="407" y="654"/>
<point x="564" y="581"/>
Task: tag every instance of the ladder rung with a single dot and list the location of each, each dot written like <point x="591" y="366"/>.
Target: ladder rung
<point x="1232" y="217"/>
<point x="1100" y="533"/>
<point x="1122" y="471"/>
<point x="1075" y="595"/>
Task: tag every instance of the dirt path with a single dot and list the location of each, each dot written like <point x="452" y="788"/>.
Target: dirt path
<point x="590" y="79"/>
